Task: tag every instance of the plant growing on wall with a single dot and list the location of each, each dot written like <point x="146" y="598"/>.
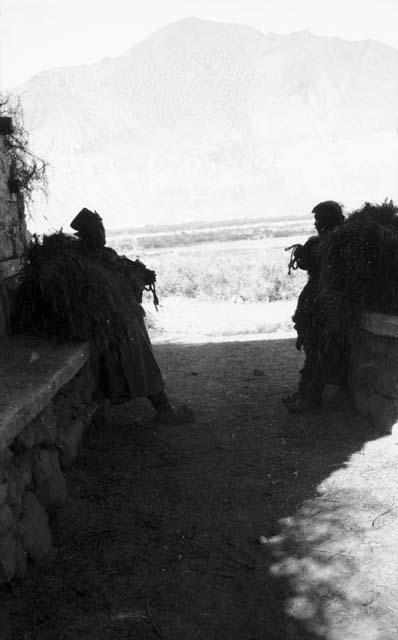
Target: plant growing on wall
<point x="28" y="172"/>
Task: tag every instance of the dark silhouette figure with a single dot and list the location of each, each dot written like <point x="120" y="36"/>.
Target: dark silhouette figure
<point x="129" y="369"/>
<point x="320" y="366"/>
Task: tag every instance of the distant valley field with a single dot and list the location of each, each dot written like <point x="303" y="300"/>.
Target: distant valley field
<point x="221" y="282"/>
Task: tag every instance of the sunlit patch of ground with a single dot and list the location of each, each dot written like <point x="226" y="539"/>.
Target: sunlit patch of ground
<point x="192" y="320"/>
<point x="339" y="550"/>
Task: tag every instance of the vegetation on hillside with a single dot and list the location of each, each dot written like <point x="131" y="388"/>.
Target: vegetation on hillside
<point x="254" y="272"/>
<point x="249" y="277"/>
<point x="28" y="170"/>
<point x="194" y="225"/>
<point x="188" y="237"/>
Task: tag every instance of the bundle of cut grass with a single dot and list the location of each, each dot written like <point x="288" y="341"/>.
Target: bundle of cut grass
<point x="70" y="295"/>
<point x="359" y="270"/>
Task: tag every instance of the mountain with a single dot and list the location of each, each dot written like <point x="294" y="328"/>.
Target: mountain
<point x="206" y="120"/>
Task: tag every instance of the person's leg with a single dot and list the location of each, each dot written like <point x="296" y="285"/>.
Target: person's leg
<point x="302" y="321"/>
<point x="311" y="386"/>
<point x="159" y="401"/>
<point x="305" y="376"/>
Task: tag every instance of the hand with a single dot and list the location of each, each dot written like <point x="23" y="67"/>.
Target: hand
<point x="150" y="277"/>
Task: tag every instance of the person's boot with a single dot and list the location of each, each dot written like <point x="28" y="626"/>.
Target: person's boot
<point x="165" y="412"/>
<point x="294" y="397"/>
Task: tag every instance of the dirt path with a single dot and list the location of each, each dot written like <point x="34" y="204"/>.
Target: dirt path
<point x="250" y="524"/>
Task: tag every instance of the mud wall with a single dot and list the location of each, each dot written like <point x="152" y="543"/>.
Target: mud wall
<point x="374" y="369"/>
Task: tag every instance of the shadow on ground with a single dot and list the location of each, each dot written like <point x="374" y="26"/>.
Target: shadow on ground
<point x="245" y="525"/>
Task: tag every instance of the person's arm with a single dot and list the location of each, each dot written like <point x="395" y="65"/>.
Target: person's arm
<point x="139" y="270"/>
<point x="304" y="254"/>
<point x="142" y="277"/>
<point x="301" y="257"/>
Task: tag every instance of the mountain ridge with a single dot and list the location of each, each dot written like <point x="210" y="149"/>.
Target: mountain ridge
<point x="205" y="119"/>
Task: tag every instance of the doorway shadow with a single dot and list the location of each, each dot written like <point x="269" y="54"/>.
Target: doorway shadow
<point x="301" y="495"/>
<point x="249" y="524"/>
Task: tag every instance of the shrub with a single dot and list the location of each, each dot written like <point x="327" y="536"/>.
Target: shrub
<point x="29" y="170"/>
<point x="252" y="278"/>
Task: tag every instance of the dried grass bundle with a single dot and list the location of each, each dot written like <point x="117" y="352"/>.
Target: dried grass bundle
<point x="359" y="270"/>
<point x="71" y="296"/>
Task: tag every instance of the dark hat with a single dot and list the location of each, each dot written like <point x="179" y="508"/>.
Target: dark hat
<point x="86" y="221"/>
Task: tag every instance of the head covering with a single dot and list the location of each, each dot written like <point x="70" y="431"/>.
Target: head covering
<point x="328" y="215"/>
<point x="89" y="227"/>
<point x="86" y="221"/>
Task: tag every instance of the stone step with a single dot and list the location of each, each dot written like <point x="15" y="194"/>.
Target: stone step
<point x="32" y="371"/>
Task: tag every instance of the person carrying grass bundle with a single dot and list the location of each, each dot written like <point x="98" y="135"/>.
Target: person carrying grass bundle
<point x="76" y="288"/>
<point x="320" y="364"/>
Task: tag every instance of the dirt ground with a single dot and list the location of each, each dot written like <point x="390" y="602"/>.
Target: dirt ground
<point x="249" y="524"/>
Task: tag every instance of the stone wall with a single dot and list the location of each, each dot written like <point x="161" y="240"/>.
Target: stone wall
<point x="33" y="457"/>
<point x="12" y="220"/>
<point x="46" y="405"/>
<point x="13" y="235"/>
<point x="374" y="369"/>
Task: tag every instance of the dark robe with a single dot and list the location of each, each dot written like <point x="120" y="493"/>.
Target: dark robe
<point x="324" y="362"/>
<point x="128" y="369"/>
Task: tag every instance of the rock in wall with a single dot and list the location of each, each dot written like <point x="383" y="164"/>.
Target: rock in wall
<point x="32" y="480"/>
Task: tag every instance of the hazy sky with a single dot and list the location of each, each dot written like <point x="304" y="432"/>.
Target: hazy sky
<point x="41" y="34"/>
